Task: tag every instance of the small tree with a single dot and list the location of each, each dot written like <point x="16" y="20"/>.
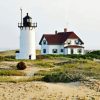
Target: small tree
<point x="21" y="66"/>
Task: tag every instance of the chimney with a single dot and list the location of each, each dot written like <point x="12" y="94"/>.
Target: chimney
<point x="65" y="29"/>
<point x="56" y="32"/>
<point x="27" y="14"/>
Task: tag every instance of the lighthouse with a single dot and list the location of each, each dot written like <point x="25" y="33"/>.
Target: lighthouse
<point x="27" y="39"/>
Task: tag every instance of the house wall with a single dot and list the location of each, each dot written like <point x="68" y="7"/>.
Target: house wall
<point x="44" y="47"/>
<point x="58" y="47"/>
<point x="75" y="51"/>
<point x="65" y="51"/>
<point x="72" y="42"/>
<point x="49" y="48"/>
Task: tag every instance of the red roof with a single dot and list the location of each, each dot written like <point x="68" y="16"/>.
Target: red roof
<point x="74" y="46"/>
<point x="59" y="38"/>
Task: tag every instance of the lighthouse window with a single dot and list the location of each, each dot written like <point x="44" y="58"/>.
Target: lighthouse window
<point x="29" y="20"/>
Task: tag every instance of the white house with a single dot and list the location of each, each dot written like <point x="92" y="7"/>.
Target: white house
<point x="61" y="43"/>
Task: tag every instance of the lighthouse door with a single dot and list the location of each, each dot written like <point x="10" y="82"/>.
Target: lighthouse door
<point x="29" y="56"/>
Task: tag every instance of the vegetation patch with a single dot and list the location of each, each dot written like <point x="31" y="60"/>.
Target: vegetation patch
<point x="21" y="66"/>
<point x="11" y="73"/>
<point x="20" y="79"/>
<point x="45" y="64"/>
<point x="42" y="73"/>
<point x="63" y="77"/>
<point x="89" y="55"/>
<point x="67" y="71"/>
<point x="56" y="68"/>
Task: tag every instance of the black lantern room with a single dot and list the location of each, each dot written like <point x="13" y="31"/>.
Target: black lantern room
<point x="27" y="22"/>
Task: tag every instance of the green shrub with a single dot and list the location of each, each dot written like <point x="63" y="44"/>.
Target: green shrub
<point x="62" y="77"/>
<point x="21" y="66"/>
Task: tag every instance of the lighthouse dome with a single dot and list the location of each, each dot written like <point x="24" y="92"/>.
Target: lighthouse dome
<point x="27" y="21"/>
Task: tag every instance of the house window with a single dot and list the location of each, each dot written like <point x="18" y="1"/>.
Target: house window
<point x="44" y="42"/>
<point x="44" y="50"/>
<point x="77" y="41"/>
<point x="80" y="43"/>
<point x="69" y="42"/>
<point x="54" y="50"/>
<point x="79" y="51"/>
<point x="62" y="50"/>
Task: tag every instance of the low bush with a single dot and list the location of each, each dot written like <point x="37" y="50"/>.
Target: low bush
<point x="21" y="66"/>
<point x="62" y="77"/>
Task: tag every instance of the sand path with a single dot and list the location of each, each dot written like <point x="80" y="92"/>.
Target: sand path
<point x="44" y="91"/>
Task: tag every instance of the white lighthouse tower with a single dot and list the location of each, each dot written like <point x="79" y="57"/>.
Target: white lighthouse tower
<point x="27" y="39"/>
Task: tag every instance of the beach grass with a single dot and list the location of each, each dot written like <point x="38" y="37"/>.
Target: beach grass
<point x="11" y="73"/>
<point x="59" y="66"/>
<point x="16" y="79"/>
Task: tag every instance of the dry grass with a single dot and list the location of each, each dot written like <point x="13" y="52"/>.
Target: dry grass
<point x="13" y="53"/>
<point x="57" y="64"/>
<point x="7" y="53"/>
<point x="11" y="73"/>
<point x="16" y="79"/>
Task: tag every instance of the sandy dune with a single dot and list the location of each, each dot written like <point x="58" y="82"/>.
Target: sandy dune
<point x="46" y="91"/>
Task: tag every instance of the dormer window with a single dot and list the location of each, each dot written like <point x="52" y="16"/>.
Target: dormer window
<point x="69" y="42"/>
<point x="80" y="43"/>
<point x="77" y="41"/>
<point x="44" y="42"/>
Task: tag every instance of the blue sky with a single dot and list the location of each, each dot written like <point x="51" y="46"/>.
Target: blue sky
<point x="80" y="16"/>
